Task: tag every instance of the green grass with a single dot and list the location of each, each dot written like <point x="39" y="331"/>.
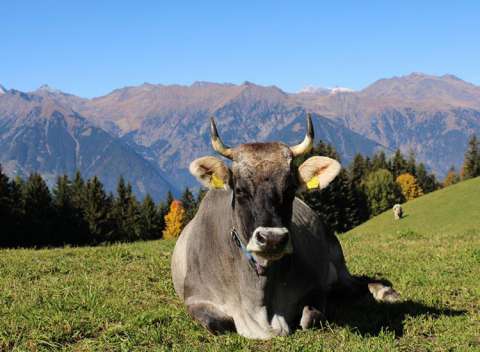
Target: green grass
<point x="455" y="209"/>
<point x="120" y="298"/>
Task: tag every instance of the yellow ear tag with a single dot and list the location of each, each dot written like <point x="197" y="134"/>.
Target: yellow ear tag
<point x="217" y="182"/>
<point x="313" y="183"/>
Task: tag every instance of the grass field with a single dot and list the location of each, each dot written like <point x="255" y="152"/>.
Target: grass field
<point x="120" y="298"/>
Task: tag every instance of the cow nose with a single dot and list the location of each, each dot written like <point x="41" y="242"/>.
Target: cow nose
<point x="272" y="239"/>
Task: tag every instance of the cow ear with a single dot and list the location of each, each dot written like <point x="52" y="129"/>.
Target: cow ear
<point x="317" y="172"/>
<point x="210" y="172"/>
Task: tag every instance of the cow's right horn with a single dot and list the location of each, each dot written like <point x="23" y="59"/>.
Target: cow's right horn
<point x="217" y="143"/>
<point x="307" y="143"/>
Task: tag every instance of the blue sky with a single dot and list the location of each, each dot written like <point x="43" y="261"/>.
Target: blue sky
<point x="92" y="47"/>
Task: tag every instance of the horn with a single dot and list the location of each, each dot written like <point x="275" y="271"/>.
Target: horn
<point x="307" y="143"/>
<point x="217" y="143"/>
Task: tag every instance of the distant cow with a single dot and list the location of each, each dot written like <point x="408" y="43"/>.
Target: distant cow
<point x="397" y="211"/>
<point x="255" y="259"/>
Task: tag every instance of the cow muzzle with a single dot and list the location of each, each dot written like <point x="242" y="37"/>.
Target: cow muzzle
<point x="270" y="243"/>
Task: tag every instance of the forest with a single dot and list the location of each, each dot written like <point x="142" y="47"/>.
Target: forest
<point x="80" y="212"/>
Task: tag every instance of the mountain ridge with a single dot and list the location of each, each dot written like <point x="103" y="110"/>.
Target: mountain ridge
<point x="167" y="125"/>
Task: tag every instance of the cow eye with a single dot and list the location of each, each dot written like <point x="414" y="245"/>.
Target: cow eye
<point x="240" y="192"/>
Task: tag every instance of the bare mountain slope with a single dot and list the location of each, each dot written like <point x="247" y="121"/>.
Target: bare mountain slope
<point x="155" y="130"/>
<point x="38" y="133"/>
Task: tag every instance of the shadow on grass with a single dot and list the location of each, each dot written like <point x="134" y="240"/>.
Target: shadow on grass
<point x="369" y="318"/>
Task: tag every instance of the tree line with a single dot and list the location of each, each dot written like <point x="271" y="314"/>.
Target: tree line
<point x="80" y="212"/>
<point x="371" y="185"/>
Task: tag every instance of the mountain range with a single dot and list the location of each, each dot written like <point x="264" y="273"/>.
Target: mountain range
<point x="150" y="133"/>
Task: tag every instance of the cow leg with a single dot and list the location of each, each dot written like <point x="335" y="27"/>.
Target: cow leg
<point x="211" y="318"/>
<point x="383" y="293"/>
<point x="311" y="317"/>
<point x="345" y="285"/>
<point x="314" y="315"/>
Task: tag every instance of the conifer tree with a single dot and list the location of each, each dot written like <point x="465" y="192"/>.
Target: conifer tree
<point x="65" y="219"/>
<point x="38" y="211"/>
<point x="189" y="204"/>
<point x="7" y="217"/>
<point x="133" y="223"/>
<point x="336" y="205"/>
<point x="162" y="210"/>
<point x="357" y="169"/>
<point x="169" y="199"/>
<point x="411" y="166"/>
<point x="427" y="182"/>
<point x="96" y="212"/>
<point x="471" y="163"/>
<point x="151" y="220"/>
<point x="78" y="190"/>
<point x="379" y="161"/>
<point x="126" y="213"/>
<point x="398" y="164"/>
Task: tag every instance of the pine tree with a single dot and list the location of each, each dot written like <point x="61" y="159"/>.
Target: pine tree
<point x="134" y="219"/>
<point x="427" y="182"/>
<point x="357" y="169"/>
<point x="410" y="188"/>
<point x="96" y="212"/>
<point x="162" y="210"/>
<point x="398" y="164"/>
<point x="38" y="211"/>
<point x="151" y="220"/>
<point x="126" y="213"/>
<point x="381" y="191"/>
<point x="7" y="215"/>
<point x="451" y="178"/>
<point x="189" y="204"/>
<point x="471" y="163"/>
<point x="169" y="199"/>
<point x="379" y="161"/>
<point x="64" y="226"/>
<point x="78" y="190"/>
<point x="411" y="166"/>
<point x="174" y="220"/>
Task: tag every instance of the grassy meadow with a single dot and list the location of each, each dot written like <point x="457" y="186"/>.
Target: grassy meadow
<point x="120" y="297"/>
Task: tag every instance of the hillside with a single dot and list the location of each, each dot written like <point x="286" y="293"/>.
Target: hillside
<point x="121" y="297"/>
<point x="454" y="209"/>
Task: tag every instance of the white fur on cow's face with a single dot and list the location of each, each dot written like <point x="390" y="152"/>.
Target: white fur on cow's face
<point x="255" y="247"/>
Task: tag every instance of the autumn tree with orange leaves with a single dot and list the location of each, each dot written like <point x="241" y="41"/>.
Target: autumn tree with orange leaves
<point x="174" y="220"/>
<point x="410" y="188"/>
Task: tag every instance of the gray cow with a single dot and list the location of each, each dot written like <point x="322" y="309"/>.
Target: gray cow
<point x="255" y="259"/>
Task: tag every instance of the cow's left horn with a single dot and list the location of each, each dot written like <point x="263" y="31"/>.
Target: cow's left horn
<point x="217" y="143"/>
<point x="307" y="143"/>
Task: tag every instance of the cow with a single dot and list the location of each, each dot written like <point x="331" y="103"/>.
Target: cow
<point x="397" y="211"/>
<point x="256" y="259"/>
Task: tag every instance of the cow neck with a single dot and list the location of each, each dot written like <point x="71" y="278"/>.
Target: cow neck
<point x="239" y="243"/>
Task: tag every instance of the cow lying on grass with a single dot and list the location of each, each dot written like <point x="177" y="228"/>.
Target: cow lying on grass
<point x="255" y="259"/>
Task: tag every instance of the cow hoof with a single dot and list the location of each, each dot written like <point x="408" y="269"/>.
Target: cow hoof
<point x="311" y="317"/>
<point x="382" y="293"/>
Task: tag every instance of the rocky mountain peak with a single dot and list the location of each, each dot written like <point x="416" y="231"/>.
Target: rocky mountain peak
<point x="48" y="89"/>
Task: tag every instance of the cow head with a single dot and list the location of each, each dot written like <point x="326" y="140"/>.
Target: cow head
<point x="263" y="181"/>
